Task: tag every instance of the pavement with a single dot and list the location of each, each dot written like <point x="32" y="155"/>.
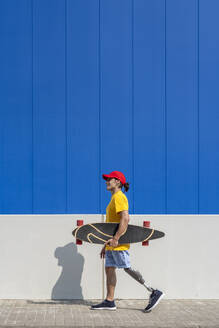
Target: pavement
<point x="129" y="313"/>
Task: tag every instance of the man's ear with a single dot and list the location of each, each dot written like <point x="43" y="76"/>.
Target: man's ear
<point x="118" y="182"/>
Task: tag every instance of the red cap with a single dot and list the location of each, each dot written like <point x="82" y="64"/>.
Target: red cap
<point x="115" y="174"/>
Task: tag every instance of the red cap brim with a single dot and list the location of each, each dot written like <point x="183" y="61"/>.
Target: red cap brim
<point x="105" y="176"/>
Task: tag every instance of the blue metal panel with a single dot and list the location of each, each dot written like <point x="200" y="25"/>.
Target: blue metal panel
<point x="16" y="107"/>
<point x="49" y="107"/>
<point x="181" y="107"/>
<point x="116" y="90"/>
<point x="83" y="106"/>
<point x="209" y="107"/>
<point x="88" y="87"/>
<point x="149" y="115"/>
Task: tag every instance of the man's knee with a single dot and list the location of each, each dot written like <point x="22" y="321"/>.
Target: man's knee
<point x="111" y="275"/>
<point x="110" y="271"/>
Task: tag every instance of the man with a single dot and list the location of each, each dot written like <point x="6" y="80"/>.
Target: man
<point x="117" y="255"/>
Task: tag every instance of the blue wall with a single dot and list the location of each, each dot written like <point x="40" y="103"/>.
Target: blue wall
<point x="88" y="87"/>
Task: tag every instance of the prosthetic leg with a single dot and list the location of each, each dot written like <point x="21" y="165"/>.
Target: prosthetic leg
<point x="137" y="276"/>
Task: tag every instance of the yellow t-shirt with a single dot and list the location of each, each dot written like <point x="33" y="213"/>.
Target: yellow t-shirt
<point x="118" y="203"/>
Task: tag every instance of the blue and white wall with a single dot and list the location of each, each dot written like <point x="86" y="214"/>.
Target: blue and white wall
<point x="88" y="87"/>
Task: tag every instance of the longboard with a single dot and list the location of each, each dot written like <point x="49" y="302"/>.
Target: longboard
<point x="100" y="233"/>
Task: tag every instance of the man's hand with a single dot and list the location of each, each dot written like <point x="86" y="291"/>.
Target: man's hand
<point x="103" y="251"/>
<point x="112" y="242"/>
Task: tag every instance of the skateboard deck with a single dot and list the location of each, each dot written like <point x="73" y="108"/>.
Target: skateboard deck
<point x="100" y="233"/>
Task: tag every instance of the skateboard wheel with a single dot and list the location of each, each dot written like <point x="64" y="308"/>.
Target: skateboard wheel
<point x="79" y="223"/>
<point x="146" y="224"/>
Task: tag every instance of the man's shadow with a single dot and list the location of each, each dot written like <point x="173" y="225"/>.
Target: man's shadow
<point x="68" y="286"/>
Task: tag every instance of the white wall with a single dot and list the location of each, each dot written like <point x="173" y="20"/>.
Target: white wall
<point x="39" y="258"/>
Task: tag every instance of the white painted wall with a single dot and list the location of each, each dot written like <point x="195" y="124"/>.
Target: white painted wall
<point x="39" y="259"/>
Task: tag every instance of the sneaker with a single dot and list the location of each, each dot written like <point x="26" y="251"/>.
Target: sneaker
<point x="105" y="305"/>
<point x="154" y="299"/>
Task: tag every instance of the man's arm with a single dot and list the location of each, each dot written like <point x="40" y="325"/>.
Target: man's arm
<point x="123" y="225"/>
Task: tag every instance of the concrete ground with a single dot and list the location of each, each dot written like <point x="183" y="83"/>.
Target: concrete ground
<point x="169" y="313"/>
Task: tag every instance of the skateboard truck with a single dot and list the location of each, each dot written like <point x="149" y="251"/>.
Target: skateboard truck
<point x="146" y="224"/>
<point x="79" y="223"/>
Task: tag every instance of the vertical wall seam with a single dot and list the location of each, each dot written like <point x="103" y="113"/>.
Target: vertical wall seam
<point x="165" y="100"/>
<point x="35" y="95"/>
<point x="100" y="137"/>
<point x="103" y="267"/>
<point x="132" y="109"/>
<point x="198" y="111"/>
<point x="66" y="110"/>
<point x="100" y="144"/>
<point x="36" y="79"/>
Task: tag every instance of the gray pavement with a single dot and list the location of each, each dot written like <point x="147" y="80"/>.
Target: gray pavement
<point x="169" y="313"/>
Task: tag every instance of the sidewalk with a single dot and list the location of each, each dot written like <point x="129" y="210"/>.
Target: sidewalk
<point x="169" y="313"/>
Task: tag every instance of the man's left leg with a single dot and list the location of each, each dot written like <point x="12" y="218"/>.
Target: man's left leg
<point x="137" y="276"/>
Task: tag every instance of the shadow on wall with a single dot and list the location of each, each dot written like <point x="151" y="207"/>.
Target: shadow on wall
<point x="68" y="285"/>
